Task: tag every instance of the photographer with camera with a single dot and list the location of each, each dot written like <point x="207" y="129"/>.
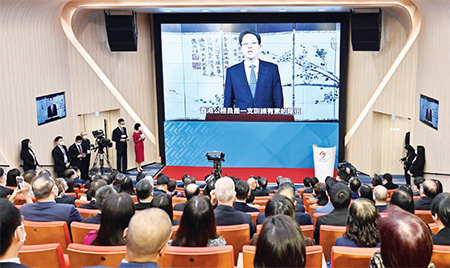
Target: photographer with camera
<point x="120" y="137"/>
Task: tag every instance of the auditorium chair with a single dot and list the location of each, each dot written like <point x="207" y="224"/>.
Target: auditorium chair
<point x="309" y="203"/>
<point x="308" y="230"/>
<point x="44" y="255"/>
<point x="261" y="200"/>
<point x="177" y="215"/>
<point x="391" y="192"/>
<point x="306" y="196"/>
<point x="312" y="208"/>
<point x="178" y="200"/>
<point x="135" y="199"/>
<point x="72" y="194"/>
<point x="79" y="203"/>
<point x="18" y="206"/>
<point x="316" y="215"/>
<point x="441" y="256"/>
<point x="300" y="191"/>
<point x="20" y="200"/>
<point x="351" y="256"/>
<point x="416" y="197"/>
<point x="235" y="235"/>
<point x="47" y="232"/>
<point x="262" y="209"/>
<point x="174" y="231"/>
<point x="80" y="195"/>
<point x="87" y="255"/>
<point x="328" y="236"/>
<point x="198" y="257"/>
<point x="425" y="215"/>
<point x="79" y="230"/>
<point x="434" y="228"/>
<point x="313" y="256"/>
<point x="83" y="190"/>
<point x="86" y="213"/>
<point x="254" y="216"/>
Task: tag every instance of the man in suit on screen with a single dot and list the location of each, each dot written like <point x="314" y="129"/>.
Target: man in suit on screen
<point x="52" y="110"/>
<point x="253" y="83"/>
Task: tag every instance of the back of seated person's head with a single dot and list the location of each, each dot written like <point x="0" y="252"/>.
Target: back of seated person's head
<point x="366" y="192"/>
<point x="242" y="190"/>
<point x="197" y="224"/>
<point x="188" y="180"/>
<point x="279" y="178"/>
<point x="439" y="188"/>
<point x="172" y="185"/>
<point x="342" y="175"/>
<point x="11" y="177"/>
<point x="387" y="177"/>
<point x="252" y="183"/>
<point x="210" y="185"/>
<point x="116" y="215"/>
<point x="280" y="204"/>
<point x="144" y="189"/>
<point x="164" y="202"/>
<point x="107" y="178"/>
<point x="403" y="199"/>
<point x="147" y="243"/>
<point x="314" y="181"/>
<point x="94" y="171"/>
<point x="2" y="173"/>
<point x="286" y="182"/>
<point x="280" y="244"/>
<point x="95" y="185"/>
<point x="286" y="190"/>
<point x="70" y="185"/>
<point x="440" y="208"/>
<point x="12" y="235"/>
<point x="140" y="176"/>
<point x="102" y="193"/>
<point x="340" y="195"/>
<point x="321" y="194"/>
<point x="184" y="177"/>
<point x="119" y="178"/>
<point x="418" y="182"/>
<point x="307" y="182"/>
<point x="405" y="239"/>
<point x="380" y="193"/>
<point x="61" y="184"/>
<point x="362" y="223"/>
<point x="407" y="189"/>
<point x="329" y="183"/>
<point x="45" y="171"/>
<point x="29" y="176"/>
<point x="70" y="173"/>
<point x="127" y="186"/>
<point x="43" y="186"/>
<point x="225" y="190"/>
<point x="114" y="174"/>
<point x="430" y="189"/>
<point x="262" y="182"/>
<point x="354" y="184"/>
<point x="162" y="180"/>
<point x="191" y="191"/>
<point x="376" y="180"/>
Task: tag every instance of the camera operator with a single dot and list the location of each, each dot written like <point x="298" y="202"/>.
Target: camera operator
<point x="120" y="137"/>
<point x="86" y="146"/>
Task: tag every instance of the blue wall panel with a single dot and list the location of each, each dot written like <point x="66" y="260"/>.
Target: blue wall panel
<point x="247" y="144"/>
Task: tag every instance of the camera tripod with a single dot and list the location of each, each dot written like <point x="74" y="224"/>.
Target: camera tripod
<point x="100" y="160"/>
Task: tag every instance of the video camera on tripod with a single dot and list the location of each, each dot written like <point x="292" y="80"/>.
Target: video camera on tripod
<point x="101" y="141"/>
<point x="218" y="158"/>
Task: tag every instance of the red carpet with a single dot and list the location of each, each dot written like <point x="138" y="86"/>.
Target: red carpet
<point x="295" y="174"/>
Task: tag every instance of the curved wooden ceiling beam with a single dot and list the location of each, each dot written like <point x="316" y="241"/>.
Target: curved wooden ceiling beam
<point x="406" y="7"/>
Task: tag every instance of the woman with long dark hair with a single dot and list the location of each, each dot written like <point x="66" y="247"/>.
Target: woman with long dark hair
<point x="164" y="202"/>
<point x="126" y="186"/>
<point x="418" y="163"/>
<point x="11" y="177"/>
<point x="322" y="198"/>
<point x="407" y="162"/>
<point x="198" y="225"/>
<point x="27" y="155"/>
<point x="116" y="214"/>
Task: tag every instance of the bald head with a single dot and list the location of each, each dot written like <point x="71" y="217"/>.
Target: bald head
<point x="43" y="186"/>
<point x="146" y="243"/>
<point x="380" y="194"/>
<point x="429" y="188"/>
<point x="192" y="190"/>
<point x="252" y="183"/>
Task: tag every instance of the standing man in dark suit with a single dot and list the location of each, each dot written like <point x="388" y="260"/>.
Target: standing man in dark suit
<point x="52" y="110"/>
<point x="76" y="153"/>
<point x="427" y="192"/>
<point x="252" y="83"/>
<point x="340" y="196"/>
<point x="120" y="137"/>
<point x="86" y="161"/>
<point x="60" y="157"/>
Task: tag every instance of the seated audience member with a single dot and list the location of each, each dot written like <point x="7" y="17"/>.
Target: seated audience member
<point x="146" y="243"/>
<point x="438" y="185"/>
<point x="340" y="196"/>
<point x="405" y="241"/>
<point x="11" y="177"/>
<point x="162" y="183"/>
<point x="427" y="192"/>
<point x="376" y="180"/>
<point x="198" y="225"/>
<point x="127" y="186"/>
<point x="308" y="187"/>
<point x="93" y="191"/>
<point x="12" y="235"/>
<point x="322" y="197"/>
<point x="70" y="175"/>
<point x="78" y="175"/>
<point x="329" y="183"/>
<point x="366" y="192"/>
<point x="100" y="197"/>
<point x="4" y="192"/>
<point x="164" y="202"/>
<point x="109" y="179"/>
<point x="46" y="209"/>
<point x="116" y="215"/>
<point x="29" y="177"/>
<point x="280" y="244"/>
<point x="380" y="195"/>
<point x="118" y="180"/>
<point x="141" y="175"/>
<point x="186" y="181"/>
<point x="242" y="191"/>
<point x="342" y="175"/>
<point x="361" y="225"/>
<point x="253" y="184"/>
<point x="388" y="182"/>
<point x="417" y="185"/>
<point x="316" y="189"/>
<point x="354" y="185"/>
<point x="172" y="187"/>
<point x="62" y="197"/>
<point x="224" y="212"/>
<point x="191" y="191"/>
<point x="440" y="211"/>
<point x="299" y="206"/>
<point x="403" y="199"/>
<point x="314" y="181"/>
<point x="144" y="190"/>
<point x="263" y="191"/>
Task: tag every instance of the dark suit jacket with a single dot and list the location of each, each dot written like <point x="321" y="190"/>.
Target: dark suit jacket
<point x="133" y="265"/>
<point x="337" y="217"/>
<point x="91" y="205"/>
<point x="142" y="206"/>
<point x="58" y="158"/>
<point x="226" y="215"/>
<point x="4" y="192"/>
<point x="28" y="160"/>
<point x="117" y="136"/>
<point x="157" y="192"/>
<point x="12" y="265"/>
<point x="381" y="208"/>
<point x="424" y="203"/>
<point x="241" y="206"/>
<point x="261" y="192"/>
<point x="93" y="219"/>
<point x="50" y="211"/>
<point x="391" y="186"/>
<point x="417" y="167"/>
<point x="73" y="153"/>
<point x="52" y="110"/>
<point x="66" y="200"/>
<point x="179" y="207"/>
<point x="443" y="237"/>
<point x="268" y="94"/>
<point x="300" y="217"/>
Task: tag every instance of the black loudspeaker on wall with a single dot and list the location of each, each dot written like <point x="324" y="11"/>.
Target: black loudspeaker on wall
<point x="121" y="32"/>
<point x="366" y="30"/>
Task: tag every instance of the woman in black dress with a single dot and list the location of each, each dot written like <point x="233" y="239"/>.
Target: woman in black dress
<point x="418" y="163"/>
<point x="28" y="157"/>
<point x="407" y="162"/>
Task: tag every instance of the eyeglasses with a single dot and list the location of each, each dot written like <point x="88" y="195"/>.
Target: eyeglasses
<point x="249" y="44"/>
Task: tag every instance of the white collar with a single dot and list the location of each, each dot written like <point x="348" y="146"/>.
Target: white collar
<point x="14" y="260"/>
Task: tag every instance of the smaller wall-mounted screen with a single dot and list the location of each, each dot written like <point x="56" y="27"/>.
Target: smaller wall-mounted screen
<point x="429" y="111"/>
<point x="50" y="108"/>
